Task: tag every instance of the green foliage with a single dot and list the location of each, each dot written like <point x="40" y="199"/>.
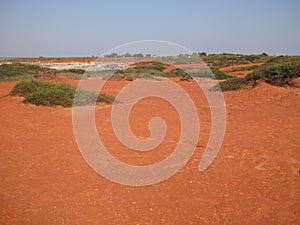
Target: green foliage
<point x="59" y="94"/>
<point x="278" y="74"/>
<point x="138" y="55"/>
<point x="49" y="94"/>
<point x="213" y="73"/>
<point x="112" y="55"/>
<point x="244" y="68"/>
<point x="15" y="71"/>
<point x="220" y="75"/>
<point x="74" y="74"/>
<point x="152" y="65"/>
<point x="230" y="84"/>
<point x="77" y="71"/>
<point x="148" y="69"/>
<point x="176" y="73"/>
<point x="102" y="97"/>
<point x="141" y="69"/>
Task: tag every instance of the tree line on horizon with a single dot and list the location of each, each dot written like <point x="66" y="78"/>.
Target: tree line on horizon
<point x="141" y="55"/>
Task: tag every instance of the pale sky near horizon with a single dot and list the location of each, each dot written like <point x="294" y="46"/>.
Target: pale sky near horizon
<point x="84" y="28"/>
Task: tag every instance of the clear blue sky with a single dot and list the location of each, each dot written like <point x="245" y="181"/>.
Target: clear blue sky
<point x="85" y="28"/>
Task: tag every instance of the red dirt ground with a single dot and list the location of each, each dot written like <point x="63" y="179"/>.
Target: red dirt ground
<point x="240" y="65"/>
<point x="253" y="180"/>
<point x="240" y="73"/>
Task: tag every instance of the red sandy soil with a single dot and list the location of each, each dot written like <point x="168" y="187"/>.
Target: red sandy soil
<point x="239" y="65"/>
<point x="253" y="180"/>
<point x="240" y="73"/>
<point x="190" y="67"/>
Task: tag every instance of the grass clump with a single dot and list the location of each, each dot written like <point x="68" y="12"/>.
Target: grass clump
<point x="50" y="94"/>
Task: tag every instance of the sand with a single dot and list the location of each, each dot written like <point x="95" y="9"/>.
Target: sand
<point x="253" y="180"/>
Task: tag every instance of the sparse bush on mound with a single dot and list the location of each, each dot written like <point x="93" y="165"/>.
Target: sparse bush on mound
<point x="230" y="84"/>
<point x="15" y="71"/>
<point x="220" y="75"/>
<point x="74" y="74"/>
<point x="176" y="73"/>
<point x="244" y="68"/>
<point x="25" y="87"/>
<point x="213" y="73"/>
<point x="278" y="74"/>
<point x="78" y="71"/>
<point x="147" y="69"/>
<point x="49" y="94"/>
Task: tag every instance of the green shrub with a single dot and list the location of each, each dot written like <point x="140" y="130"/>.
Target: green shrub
<point x="102" y="97"/>
<point x="77" y="71"/>
<point x="213" y="73"/>
<point x="60" y="94"/>
<point x="278" y="74"/>
<point x="148" y="69"/>
<point x="25" y="87"/>
<point x="244" y="68"/>
<point x="176" y="73"/>
<point x="16" y="71"/>
<point x="230" y="84"/>
<point x="49" y="94"/>
<point x="220" y="75"/>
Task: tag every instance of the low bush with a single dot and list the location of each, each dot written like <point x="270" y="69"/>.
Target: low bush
<point x="146" y="70"/>
<point x="244" y="68"/>
<point x="213" y="73"/>
<point x="74" y="74"/>
<point x="49" y="94"/>
<point x="77" y="71"/>
<point x="220" y="75"/>
<point x="176" y="73"/>
<point x="230" y="84"/>
<point x="278" y="74"/>
<point x="15" y="71"/>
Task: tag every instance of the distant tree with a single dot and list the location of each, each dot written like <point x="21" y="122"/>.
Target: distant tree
<point x="112" y="55"/>
<point x="127" y="55"/>
<point x="264" y="54"/>
<point x="148" y="55"/>
<point x="202" y="54"/>
<point x="138" y="55"/>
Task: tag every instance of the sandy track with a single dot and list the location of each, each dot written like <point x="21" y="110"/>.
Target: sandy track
<point x="254" y="179"/>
